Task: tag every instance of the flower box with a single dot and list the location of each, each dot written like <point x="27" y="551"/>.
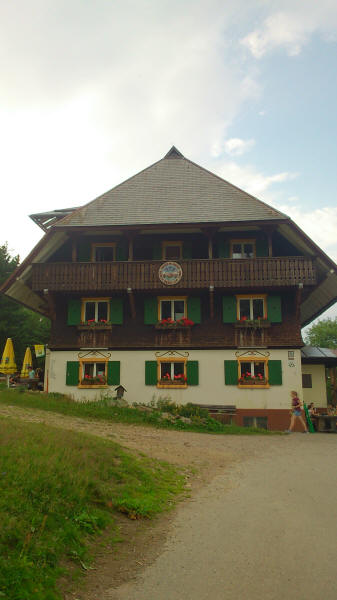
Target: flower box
<point x="252" y="323"/>
<point x="93" y="381"/>
<point x="168" y="324"/>
<point x="97" y="325"/>
<point x="249" y="381"/>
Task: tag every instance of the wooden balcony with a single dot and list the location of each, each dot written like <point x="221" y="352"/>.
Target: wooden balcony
<point x="198" y="273"/>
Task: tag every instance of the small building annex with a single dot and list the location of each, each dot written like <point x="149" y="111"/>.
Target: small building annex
<point x="177" y="283"/>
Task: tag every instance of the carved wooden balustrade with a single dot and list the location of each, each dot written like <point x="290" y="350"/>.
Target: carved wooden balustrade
<point x="196" y="273"/>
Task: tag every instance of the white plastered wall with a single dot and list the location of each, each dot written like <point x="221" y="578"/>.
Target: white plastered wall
<point x="316" y="394"/>
<point x="211" y="388"/>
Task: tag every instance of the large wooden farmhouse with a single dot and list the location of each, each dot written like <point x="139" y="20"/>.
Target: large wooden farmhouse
<point x="177" y="283"/>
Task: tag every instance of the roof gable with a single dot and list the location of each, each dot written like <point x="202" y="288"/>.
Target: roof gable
<point x="172" y="190"/>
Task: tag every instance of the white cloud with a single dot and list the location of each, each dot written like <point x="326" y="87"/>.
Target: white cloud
<point x="251" y="180"/>
<point x="292" y="27"/>
<point x="234" y="147"/>
<point x="320" y="224"/>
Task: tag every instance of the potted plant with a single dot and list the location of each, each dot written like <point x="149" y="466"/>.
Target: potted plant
<point x="183" y="323"/>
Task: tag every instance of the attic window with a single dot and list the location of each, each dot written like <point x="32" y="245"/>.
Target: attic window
<point x="172" y="250"/>
<point x="103" y="252"/>
<point x="242" y="248"/>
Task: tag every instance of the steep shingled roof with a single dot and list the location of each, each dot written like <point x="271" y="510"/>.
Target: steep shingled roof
<point x="172" y="190"/>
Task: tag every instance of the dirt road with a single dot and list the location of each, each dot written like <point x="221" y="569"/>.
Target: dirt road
<point x="261" y="522"/>
<point x="263" y="530"/>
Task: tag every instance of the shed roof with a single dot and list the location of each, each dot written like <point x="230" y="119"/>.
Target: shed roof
<point x="314" y="354"/>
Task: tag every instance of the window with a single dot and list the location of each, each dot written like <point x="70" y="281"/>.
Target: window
<point x="93" y="373"/>
<point x="171" y="308"/>
<point x="242" y="249"/>
<point x="172" y="373"/>
<point x="172" y="250"/>
<point x="95" y="310"/>
<point x="253" y="373"/>
<point x="103" y="252"/>
<point x="306" y="380"/>
<point x="251" y="308"/>
<point x="260" y="422"/>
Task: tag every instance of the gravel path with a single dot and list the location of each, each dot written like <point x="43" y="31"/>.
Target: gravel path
<point x="263" y="530"/>
<point x="261" y="522"/>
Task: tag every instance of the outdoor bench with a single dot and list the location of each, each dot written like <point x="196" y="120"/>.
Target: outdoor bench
<point x="221" y="412"/>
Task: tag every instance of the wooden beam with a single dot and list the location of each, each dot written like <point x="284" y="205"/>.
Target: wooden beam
<point x="132" y="302"/>
<point x="298" y="300"/>
<point x="51" y="304"/>
<point x="211" y="301"/>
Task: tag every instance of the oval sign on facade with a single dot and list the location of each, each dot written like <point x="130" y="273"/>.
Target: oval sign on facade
<point x="170" y="273"/>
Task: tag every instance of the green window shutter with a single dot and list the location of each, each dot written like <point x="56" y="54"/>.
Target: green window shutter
<point x="121" y="250"/>
<point x="194" y="309"/>
<point x="72" y="372"/>
<point x="187" y="250"/>
<point x="192" y="371"/>
<point x="223" y="248"/>
<point x="275" y="372"/>
<point x="231" y="372"/>
<point x="116" y="311"/>
<point x="261" y="248"/>
<point x="150" y="311"/>
<point x="157" y="251"/>
<point x="74" y="312"/>
<point x="84" y="251"/>
<point x="229" y="314"/>
<point x="114" y="369"/>
<point x="274" y="313"/>
<point x="150" y="372"/>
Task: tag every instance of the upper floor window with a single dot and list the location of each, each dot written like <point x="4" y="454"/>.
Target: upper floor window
<point x="251" y="308"/>
<point x="97" y="310"/>
<point x="171" y="308"/>
<point x="172" y="250"/>
<point x="242" y="249"/>
<point x="103" y="252"/>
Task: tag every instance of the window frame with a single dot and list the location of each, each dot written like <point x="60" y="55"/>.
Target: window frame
<point x="95" y="245"/>
<point x="249" y="359"/>
<point x="171" y="360"/>
<point x="307" y="381"/>
<point x="171" y="298"/>
<point x="242" y="241"/>
<point x="96" y="300"/>
<point x="251" y="297"/>
<point x="84" y="361"/>
<point x="169" y="243"/>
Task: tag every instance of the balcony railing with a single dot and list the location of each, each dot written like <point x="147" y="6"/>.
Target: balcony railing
<point x="198" y="273"/>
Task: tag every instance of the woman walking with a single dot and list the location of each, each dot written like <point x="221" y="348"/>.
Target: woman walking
<point x="296" y="413"/>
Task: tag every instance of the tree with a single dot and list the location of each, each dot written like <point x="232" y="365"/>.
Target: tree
<point x="17" y="322"/>
<point x="323" y="334"/>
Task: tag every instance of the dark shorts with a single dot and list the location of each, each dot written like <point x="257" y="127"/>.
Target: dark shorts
<point x="297" y="413"/>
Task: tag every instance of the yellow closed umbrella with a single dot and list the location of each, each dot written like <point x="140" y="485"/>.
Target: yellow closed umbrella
<point x="27" y="362"/>
<point x="8" y="364"/>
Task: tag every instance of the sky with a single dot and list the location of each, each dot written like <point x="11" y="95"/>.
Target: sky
<point x="93" y="92"/>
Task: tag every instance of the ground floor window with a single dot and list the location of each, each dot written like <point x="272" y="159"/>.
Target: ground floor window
<point x="252" y="372"/>
<point x="306" y="380"/>
<point x="172" y="373"/>
<point x="260" y="422"/>
<point x="93" y="373"/>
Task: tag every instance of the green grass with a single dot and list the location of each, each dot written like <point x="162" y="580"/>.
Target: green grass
<point x="105" y="409"/>
<point x="58" y="489"/>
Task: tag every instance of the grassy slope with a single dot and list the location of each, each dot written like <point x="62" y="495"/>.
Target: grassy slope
<point x="106" y="410"/>
<point x="56" y="489"/>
